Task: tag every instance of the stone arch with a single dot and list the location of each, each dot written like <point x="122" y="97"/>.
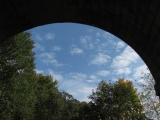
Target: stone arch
<point x="137" y="22"/>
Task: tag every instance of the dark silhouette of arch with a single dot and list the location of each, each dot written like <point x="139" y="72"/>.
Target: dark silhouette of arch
<point x="137" y="22"/>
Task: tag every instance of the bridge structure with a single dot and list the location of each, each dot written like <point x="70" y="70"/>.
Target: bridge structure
<point x="136" y="22"/>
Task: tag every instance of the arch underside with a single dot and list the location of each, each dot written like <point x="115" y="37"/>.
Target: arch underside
<point x="136" y="22"/>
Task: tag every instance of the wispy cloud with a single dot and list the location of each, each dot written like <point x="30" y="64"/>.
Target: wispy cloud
<point x="49" y="36"/>
<point x="85" y="92"/>
<point x="86" y="41"/>
<point x="121" y="63"/>
<point x="37" y="37"/>
<point x="82" y="92"/>
<point x="78" y="76"/>
<point x="107" y="35"/>
<point x="75" y="50"/>
<point x="55" y="75"/>
<point x="102" y="47"/>
<point x="76" y="84"/>
<point x="127" y="57"/>
<point x="56" y="48"/>
<point x="110" y="46"/>
<point x="100" y="59"/>
<point x="73" y="81"/>
<point x="94" y="77"/>
<point x="104" y="35"/>
<point x="120" y="45"/>
<point x="49" y="58"/>
<point x="125" y="71"/>
<point x="139" y="70"/>
<point x="39" y="47"/>
<point x="103" y="73"/>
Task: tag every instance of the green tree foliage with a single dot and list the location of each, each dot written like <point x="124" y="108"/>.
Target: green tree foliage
<point x="70" y="107"/>
<point x="16" y="56"/>
<point x="148" y="97"/>
<point x="16" y="77"/>
<point x="86" y="111"/>
<point x="116" y="101"/>
<point x="48" y="106"/>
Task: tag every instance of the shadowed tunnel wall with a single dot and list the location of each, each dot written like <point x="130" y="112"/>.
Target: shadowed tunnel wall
<point x="137" y="22"/>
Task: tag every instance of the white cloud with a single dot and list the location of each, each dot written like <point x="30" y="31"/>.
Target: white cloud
<point x="86" y="41"/>
<point x="38" y="37"/>
<point x="102" y="47"/>
<point x="105" y="35"/>
<point x="49" y="58"/>
<point x="125" y="71"/>
<point x="56" y="48"/>
<point x="73" y="80"/>
<point x="139" y="70"/>
<point x="49" y="36"/>
<point x="55" y="75"/>
<point x="109" y="46"/>
<point x="120" y="44"/>
<point x="81" y="92"/>
<point x="80" y="85"/>
<point x="93" y="79"/>
<point x="76" y="84"/>
<point x="127" y="57"/>
<point x="39" y="47"/>
<point x="100" y="59"/>
<point x="78" y="76"/>
<point x="83" y="40"/>
<point x="85" y="92"/>
<point x="108" y="36"/>
<point x="103" y="73"/>
<point x="75" y="50"/>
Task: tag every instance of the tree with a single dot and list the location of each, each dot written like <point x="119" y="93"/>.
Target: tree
<point x="49" y="102"/>
<point x="148" y="97"/>
<point x="17" y="84"/>
<point x="116" y="101"/>
<point x="86" y="111"/>
<point x="16" y="55"/>
<point x="129" y="105"/>
<point x="70" y="107"/>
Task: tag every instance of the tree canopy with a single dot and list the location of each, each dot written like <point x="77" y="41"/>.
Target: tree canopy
<point x="116" y="101"/>
<point x="148" y="97"/>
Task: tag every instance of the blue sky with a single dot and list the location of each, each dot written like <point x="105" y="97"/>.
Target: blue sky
<point x="80" y="56"/>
